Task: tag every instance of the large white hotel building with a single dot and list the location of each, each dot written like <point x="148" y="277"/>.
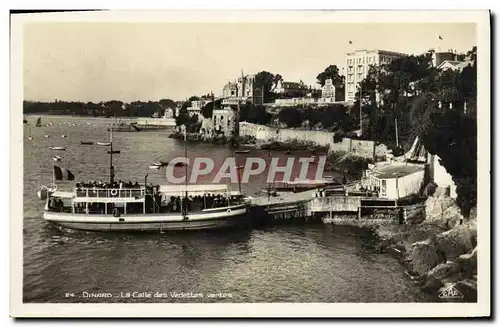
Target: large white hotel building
<point x="357" y="65"/>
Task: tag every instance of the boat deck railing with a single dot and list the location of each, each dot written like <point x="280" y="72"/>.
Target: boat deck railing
<point x="110" y="192"/>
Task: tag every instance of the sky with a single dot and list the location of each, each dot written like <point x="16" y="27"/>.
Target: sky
<point x="97" y="61"/>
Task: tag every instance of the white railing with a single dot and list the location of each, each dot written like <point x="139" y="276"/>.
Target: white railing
<point x="110" y="192"/>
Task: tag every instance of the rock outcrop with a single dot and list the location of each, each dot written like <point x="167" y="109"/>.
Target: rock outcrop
<point x="441" y="251"/>
<point x="442" y="211"/>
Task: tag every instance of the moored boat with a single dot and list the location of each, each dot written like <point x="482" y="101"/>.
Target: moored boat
<point x="58" y="148"/>
<point x="122" y="206"/>
<point x="303" y="185"/>
<point x="241" y="151"/>
<point x="147" y="208"/>
<point x="86" y="142"/>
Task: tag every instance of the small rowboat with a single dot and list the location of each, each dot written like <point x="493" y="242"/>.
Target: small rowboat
<point x="57" y="158"/>
<point x="242" y="151"/>
<point x="60" y="148"/>
<point x="46" y="135"/>
<point x="154" y="167"/>
<point x="63" y="136"/>
<point x="86" y="143"/>
<point x="104" y="143"/>
<point x="166" y="163"/>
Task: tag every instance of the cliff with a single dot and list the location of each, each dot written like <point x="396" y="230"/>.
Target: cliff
<point x="440" y="251"/>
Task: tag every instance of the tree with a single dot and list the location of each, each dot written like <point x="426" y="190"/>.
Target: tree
<point x="277" y="78"/>
<point x="266" y="80"/>
<point x="256" y="114"/>
<point x="453" y="137"/>
<point x="448" y="132"/>
<point x="332" y="72"/>
<point x="183" y="116"/>
<point x="387" y="93"/>
<point x="207" y="110"/>
<point x="291" y="117"/>
<point x="167" y="103"/>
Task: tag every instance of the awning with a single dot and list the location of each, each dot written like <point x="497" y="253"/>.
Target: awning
<point x="193" y="189"/>
<point x="62" y="194"/>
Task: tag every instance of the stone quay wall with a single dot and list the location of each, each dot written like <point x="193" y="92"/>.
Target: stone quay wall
<point x="360" y="148"/>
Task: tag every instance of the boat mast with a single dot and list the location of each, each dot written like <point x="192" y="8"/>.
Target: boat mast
<point x="111" y="168"/>
<point x="186" y="172"/>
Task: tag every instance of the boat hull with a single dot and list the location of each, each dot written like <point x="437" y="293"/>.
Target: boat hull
<point x="153" y="222"/>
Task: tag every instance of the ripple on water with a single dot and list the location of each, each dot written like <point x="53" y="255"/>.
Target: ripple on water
<point x="281" y="264"/>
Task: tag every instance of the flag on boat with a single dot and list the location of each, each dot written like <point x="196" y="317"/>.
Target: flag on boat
<point x="57" y="158"/>
<point x="63" y="174"/>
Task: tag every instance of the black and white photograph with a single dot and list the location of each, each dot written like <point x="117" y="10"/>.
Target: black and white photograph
<point x="337" y="160"/>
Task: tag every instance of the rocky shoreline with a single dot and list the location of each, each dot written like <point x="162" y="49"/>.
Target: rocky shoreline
<point x="440" y="253"/>
<point x="214" y="139"/>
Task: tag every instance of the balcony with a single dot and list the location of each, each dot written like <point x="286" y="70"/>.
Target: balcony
<point x="110" y="193"/>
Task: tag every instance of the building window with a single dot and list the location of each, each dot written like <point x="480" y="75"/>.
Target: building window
<point x="383" y="188"/>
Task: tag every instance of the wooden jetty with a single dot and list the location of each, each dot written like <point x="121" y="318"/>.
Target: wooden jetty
<point x="308" y="205"/>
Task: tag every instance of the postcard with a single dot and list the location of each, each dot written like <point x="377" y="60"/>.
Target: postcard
<point x="250" y="164"/>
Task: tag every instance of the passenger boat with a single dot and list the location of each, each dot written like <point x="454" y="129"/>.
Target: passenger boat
<point x="145" y="207"/>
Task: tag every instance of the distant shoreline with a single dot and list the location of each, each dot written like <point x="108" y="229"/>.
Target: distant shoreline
<point x="83" y="116"/>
